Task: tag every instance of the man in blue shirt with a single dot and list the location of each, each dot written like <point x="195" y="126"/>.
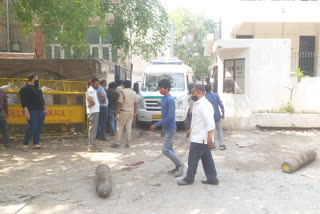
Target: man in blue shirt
<point x="103" y="115"/>
<point x="214" y="99"/>
<point x="168" y="123"/>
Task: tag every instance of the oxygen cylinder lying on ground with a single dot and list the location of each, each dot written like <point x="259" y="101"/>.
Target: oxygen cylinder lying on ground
<point x="103" y="180"/>
<point x="292" y="164"/>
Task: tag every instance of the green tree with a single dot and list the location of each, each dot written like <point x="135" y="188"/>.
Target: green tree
<point x="69" y="21"/>
<point x="190" y="31"/>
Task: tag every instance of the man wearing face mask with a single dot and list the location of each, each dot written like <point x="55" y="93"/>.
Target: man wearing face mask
<point x="34" y="109"/>
<point x="93" y="109"/>
<point x="168" y="123"/>
<point x="202" y="127"/>
<point x="126" y="113"/>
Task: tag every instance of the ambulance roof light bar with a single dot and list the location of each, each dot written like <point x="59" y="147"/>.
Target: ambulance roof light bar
<point x="171" y="61"/>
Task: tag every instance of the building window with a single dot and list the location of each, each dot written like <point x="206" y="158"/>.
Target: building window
<point x="307" y="55"/>
<point x="234" y="71"/>
<point x="99" y="47"/>
<point x="57" y="52"/>
<point x="244" y="36"/>
<point x="105" y="53"/>
<point x="102" y="51"/>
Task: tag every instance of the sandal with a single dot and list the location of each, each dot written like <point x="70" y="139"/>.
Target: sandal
<point x="222" y="147"/>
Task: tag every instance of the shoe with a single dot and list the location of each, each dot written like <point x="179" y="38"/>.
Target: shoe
<point x="213" y="182"/>
<point x="95" y="149"/>
<point x="184" y="182"/>
<point x="36" y="146"/>
<point x="172" y="171"/>
<point x="222" y="147"/>
<point x="179" y="171"/>
<point x="115" y="146"/>
<point x="127" y="146"/>
<point x="114" y="134"/>
<point x="25" y="148"/>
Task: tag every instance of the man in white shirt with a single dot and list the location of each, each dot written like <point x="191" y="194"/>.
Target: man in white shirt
<point x="202" y="127"/>
<point x="93" y="109"/>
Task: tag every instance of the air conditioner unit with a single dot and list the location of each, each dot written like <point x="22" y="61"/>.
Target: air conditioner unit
<point x="15" y="47"/>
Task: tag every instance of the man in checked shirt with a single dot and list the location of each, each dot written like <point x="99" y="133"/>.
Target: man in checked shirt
<point x="3" y="121"/>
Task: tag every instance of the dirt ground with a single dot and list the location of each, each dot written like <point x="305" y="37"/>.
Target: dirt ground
<point x="60" y="177"/>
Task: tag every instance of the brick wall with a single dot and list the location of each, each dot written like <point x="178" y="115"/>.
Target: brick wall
<point x="38" y="44"/>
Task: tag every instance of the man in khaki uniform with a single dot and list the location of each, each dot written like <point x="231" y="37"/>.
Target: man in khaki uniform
<point x="126" y="112"/>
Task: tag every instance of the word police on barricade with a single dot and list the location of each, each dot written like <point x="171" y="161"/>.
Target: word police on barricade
<point x="65" y="102"/>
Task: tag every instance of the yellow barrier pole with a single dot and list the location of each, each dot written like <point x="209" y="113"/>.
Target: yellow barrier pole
<point x="64" y="89"/>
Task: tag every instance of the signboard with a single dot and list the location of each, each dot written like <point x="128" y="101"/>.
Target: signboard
<point x="56" y="114"/>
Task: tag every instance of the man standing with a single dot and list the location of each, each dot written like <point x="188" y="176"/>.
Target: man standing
<point x="168" y="123"/>
<point x="103" y="114"/>
<point x="126" y="112"/>
<point x="3" y="121"/>
<point x="34" y="109"/>
<point x="202" y="127"/>
<point x="214" y="99"/>
<point x="120" y="86"/>
<point x="93" y="109"/>
<point x="113" y="97"/>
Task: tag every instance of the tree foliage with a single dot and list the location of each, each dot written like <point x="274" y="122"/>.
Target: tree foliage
<point x="200" y="64"/>
<point x="69" y="21"/>
<point x="190" y="31"/>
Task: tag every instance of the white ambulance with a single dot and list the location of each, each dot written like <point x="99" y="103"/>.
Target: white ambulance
<point x="181" y="77"/>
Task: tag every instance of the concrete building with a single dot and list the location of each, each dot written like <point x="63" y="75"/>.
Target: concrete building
<point x="13" y="39"/>
<point x="15" y="45"/>
<point x="262" y="44"/>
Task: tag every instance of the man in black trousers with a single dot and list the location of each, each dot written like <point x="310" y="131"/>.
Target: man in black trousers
<point x="202" y="127"/>
<point x="34" y="109"/>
